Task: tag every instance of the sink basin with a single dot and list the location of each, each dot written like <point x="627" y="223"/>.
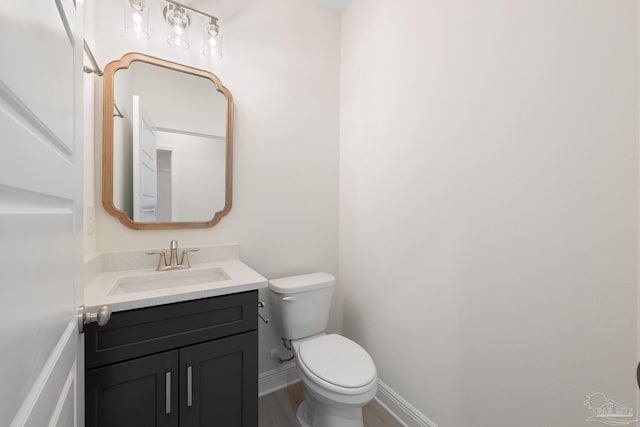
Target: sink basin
<point x="168" y="279"/>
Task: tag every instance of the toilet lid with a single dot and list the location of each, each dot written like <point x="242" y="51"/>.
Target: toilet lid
<point x="338" y="361"/>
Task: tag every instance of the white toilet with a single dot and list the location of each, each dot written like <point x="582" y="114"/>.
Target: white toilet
<point x="338" y="376"/>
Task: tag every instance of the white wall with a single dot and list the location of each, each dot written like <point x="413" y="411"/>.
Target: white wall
<point x="90" y="241"/>
<point x="179" y="100"/>
<point x="488" y="219"/>
<point x="197" y="175"/>
<point x="281" y="63"/>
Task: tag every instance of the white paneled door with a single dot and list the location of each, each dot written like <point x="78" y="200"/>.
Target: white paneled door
<point x="145" y="165"/>
<point x="41" y="382"/>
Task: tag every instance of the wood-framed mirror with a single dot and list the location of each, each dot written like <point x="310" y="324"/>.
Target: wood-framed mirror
<point x="167" y="147"/>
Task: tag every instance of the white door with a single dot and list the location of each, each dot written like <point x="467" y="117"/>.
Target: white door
<point x="164" y="212"/>
<point x="40" y="212"/>
<point x="145" y="165"/>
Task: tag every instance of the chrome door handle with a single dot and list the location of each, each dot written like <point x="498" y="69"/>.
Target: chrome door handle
<point x="101" y="317"/>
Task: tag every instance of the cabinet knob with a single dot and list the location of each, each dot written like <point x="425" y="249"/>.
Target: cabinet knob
<point x="101" y="317"/>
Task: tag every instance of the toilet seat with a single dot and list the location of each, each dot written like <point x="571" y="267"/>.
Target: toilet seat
<point x="337" y="364"/>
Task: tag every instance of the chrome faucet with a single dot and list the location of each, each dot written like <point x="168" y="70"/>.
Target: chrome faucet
<point x="173" y="258"/>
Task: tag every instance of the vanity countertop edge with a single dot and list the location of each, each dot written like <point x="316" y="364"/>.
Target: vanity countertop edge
<point x="99" y="291"/>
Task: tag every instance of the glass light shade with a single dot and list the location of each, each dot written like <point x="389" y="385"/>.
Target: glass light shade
<point x="212" y="40"/>
<point x="178" y="22"/>
<point x="136" y="19"/>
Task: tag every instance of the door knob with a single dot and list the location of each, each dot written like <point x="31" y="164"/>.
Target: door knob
<point x="101" y="317"/>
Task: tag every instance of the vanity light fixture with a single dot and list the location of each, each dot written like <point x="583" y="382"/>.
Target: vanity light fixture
<point x="177" y="18"/>
<point x="136" y="19"/>
<point x="212" y="42"/>
<point x="178" y="22"/>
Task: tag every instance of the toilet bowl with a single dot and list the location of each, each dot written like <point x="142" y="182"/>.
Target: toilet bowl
<point x="338" y="375"/>
<point x="338" y="378"/>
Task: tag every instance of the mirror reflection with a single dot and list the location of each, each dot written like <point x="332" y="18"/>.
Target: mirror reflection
<point x="171" y="146"/>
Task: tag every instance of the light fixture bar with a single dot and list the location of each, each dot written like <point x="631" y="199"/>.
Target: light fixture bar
<point x="196" y="11"/>
<point x="177" y="17"/>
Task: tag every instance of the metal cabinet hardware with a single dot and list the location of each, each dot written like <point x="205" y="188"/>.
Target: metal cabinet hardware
<point x="85" y="317"/>
<point x="167" y="393"/>
<point x="189" y="386"/>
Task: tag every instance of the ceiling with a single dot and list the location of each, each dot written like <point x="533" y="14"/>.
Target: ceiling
<point x="335" y="4"/>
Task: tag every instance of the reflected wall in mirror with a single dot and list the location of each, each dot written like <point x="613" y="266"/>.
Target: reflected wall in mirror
<point x="167" y="144"/>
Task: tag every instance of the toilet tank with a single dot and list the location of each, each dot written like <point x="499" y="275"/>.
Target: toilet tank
<point x="301" y="304"/>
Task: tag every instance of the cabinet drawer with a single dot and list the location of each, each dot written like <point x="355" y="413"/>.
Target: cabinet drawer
<point x="135" y="333"/>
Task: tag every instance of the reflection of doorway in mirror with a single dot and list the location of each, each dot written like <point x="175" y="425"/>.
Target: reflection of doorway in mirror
<point x="198" y="172"/>
<point x="145" y="181"/>
<point x="164" y="212"/>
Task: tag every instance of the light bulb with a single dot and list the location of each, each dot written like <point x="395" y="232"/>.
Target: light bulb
<point x="212" y="41"/>
<point x="136" y="19"/>
<point x="178" y="21"/>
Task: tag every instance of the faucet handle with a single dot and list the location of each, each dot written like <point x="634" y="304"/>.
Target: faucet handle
<point x="185" y="256"/>
<point x="162" y="261"/>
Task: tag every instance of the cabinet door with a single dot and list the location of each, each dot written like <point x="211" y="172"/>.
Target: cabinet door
<point x="219" y="383"/>
<point x="140" y="392"/>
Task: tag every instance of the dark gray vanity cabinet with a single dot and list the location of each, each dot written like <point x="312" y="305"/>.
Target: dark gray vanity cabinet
<point x="186" y="364"/>
<point x="139" y="392"/>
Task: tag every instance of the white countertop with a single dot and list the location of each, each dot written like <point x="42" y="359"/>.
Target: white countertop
<point x="99" y="292"/>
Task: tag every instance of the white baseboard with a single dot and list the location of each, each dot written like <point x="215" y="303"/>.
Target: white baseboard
<point x="275" y="379"/>
<point x="402" y="410"/>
